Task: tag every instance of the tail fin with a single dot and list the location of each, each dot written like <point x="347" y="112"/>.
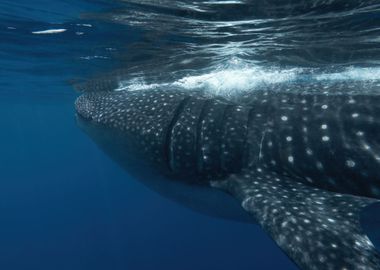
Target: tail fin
<point x="317" y="229"/>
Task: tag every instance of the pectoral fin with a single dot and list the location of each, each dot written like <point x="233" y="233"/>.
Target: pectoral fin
<point x="317" y="229"/>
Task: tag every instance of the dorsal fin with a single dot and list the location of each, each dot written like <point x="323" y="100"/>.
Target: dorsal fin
<point x="317" y="229"/>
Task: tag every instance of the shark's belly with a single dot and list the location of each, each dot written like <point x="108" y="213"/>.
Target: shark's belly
<point x="326" y="141"/>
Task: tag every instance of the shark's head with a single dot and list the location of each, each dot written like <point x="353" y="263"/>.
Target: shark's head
<point x="186" y="135"/>
<point x="142" y="119"/>
<point x="156" y="136"/>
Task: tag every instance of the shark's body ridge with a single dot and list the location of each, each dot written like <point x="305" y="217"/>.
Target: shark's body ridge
<point x="305" y="166"/>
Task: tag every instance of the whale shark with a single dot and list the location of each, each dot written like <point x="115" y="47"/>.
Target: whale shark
<point x="305" y="166"/>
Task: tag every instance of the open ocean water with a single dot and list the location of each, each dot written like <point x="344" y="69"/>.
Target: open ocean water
<point x="63" y="203"/>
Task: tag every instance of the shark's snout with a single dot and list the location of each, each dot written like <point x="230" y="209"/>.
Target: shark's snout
<point x="84" y="106"/>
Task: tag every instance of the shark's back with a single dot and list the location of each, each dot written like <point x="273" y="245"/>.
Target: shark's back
<point x="323" y="140"/>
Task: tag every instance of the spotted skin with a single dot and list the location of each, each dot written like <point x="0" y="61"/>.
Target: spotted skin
<point x="234" y="138"/>
<point x="303" y="165"/>
<point x="326" y="141"/>
<point x="185" y="134"/>
<point x="210" y="136"/>
<point x="147" y="119"/>
<point x="318" y="229"/>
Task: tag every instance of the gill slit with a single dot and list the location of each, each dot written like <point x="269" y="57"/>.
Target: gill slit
<point x="168" y="148"/>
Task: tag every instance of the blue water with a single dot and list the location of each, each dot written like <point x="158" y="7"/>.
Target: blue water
<point x="64" y="204"/>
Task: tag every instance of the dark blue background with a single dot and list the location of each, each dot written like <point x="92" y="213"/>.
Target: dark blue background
<point x="63" y="203"/>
